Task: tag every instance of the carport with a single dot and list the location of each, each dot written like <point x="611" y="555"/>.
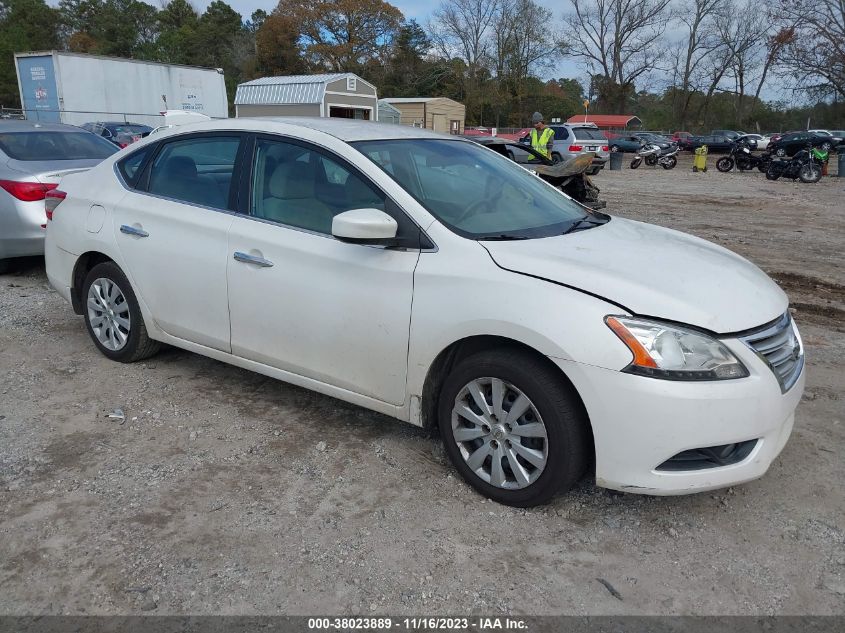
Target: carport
<point x="339" y="95"/>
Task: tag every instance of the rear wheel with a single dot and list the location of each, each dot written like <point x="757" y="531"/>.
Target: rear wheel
<point x="780" y="152"/>
<point x="112" y="315"/>
<point x="556" y="158"/>
<point x="513" y="428"/>
<point x="669" y="162"/>
<point x="724" y="164"/>
<point x="772" y="173"/>
<point x="614" y="148"/>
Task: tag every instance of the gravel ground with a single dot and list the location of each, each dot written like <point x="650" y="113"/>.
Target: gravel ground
<point x="225" y="492"/>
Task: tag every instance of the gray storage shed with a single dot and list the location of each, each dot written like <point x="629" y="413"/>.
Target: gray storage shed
<point x="341" y="95"/>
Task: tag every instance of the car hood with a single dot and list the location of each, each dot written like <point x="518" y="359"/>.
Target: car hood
<point x="651" y="271"/>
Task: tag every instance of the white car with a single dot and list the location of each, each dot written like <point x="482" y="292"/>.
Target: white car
<point x="756" y="141"/>
<point x="433" y="280"/>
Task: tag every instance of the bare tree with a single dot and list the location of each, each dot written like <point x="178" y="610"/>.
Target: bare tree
<point x="525" y="42"/>
<point x="697" y="51"/>
<point x="618" y="40"/>
<point x="813" y="45"/>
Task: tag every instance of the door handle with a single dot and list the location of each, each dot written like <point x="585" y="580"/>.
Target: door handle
<point x="253" y="259"/>
<point x="131" y="230"/>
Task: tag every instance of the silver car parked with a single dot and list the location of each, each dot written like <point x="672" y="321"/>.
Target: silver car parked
<point x="33" y="158"/>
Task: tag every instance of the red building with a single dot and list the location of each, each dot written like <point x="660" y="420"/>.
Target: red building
<point x="609" y="121"/>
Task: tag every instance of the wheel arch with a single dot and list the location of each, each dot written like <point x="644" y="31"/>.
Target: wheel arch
<point x="465" y="347"/>
<point x="83" y="266"/>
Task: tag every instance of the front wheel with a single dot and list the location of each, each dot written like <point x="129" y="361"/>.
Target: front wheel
<point x="669" y="162"/>
<point x="725" y="164"/>
<point x="556" y="158"/>
<point x="772" y="174"/>
<point x="513" y="428"/>
<point x="112" y="315"/>
<point x="810" y="173"/>
<point x="636" y="163"/>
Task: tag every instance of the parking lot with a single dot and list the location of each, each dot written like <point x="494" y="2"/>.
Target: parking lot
<point x="222" y="491"/>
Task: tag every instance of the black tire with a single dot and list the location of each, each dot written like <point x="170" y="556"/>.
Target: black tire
<point x="780" y="152"/>
<point x="567" y="427"/>
<point x="772" y="174"/>
<point x="725" y="164"/>
<point x="556" y="158"/>
<point x="614" y="148"/>
<point x="138" y="345"/>
<point x="763" y="167"/>
<point x="826" y="146"/>
<point x="669" y="162"/>
<point x="636" y="163"/>
<point x="810" y="173"/>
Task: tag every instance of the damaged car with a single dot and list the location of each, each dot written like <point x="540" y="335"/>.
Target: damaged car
<point x="569" y="175"/>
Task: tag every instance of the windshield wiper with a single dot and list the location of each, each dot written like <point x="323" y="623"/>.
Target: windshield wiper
<point x="502" y="238"/>
<point x="585" y="220"/>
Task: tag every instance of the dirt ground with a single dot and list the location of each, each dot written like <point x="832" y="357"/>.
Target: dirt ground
<point x="227" y="492"/>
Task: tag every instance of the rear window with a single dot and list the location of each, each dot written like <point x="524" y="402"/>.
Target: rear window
<point x="130" y="129"/>
<point x="50" y="145"/>
<point x="589" y="133"/>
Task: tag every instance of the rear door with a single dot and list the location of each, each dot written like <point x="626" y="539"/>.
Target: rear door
<point x="172" y="231"/>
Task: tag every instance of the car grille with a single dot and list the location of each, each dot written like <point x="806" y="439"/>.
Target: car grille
<point x="779" y="346"/>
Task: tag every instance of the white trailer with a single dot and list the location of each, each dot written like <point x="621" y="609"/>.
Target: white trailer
<point x="74" y="88"/>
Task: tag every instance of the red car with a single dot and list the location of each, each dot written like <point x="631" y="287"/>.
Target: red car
<point x="681" y="136"/>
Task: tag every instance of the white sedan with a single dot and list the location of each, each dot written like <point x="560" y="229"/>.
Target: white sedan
<point x="433" y="280"/>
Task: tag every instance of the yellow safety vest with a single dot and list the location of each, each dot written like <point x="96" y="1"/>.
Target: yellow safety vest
<point x="540" y="141"/>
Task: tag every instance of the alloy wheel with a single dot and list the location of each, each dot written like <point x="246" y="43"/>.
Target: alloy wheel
<point x="499" y="433"/>
<point x="108" y="314"/>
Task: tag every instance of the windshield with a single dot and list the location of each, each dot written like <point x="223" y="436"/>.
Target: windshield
<point x="473" y="191"/>
<point x="50" y="146"/>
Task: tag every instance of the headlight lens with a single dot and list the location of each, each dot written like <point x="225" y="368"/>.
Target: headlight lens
<point x="674" y="353"/>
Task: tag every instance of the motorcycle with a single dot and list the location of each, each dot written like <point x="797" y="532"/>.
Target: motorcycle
<point x="653" y="155"/>
<point x="806" y="166"/>
<point x="742" y="157"/>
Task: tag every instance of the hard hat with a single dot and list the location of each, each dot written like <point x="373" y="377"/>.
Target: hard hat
<point x="536" y="118"/>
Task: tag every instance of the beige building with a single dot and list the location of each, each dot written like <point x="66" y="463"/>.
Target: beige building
<point x="433" y="113"/>
<point x="341" y="95"/>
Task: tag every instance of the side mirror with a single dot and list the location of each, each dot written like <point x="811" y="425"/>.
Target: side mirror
<point x="365" y="226"/>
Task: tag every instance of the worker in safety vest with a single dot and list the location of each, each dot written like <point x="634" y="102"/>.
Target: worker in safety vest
<point x="542" y="137"/>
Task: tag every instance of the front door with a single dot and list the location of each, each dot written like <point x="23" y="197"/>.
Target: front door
<point x="172" y="232"/>
<point x="301" y="300"/>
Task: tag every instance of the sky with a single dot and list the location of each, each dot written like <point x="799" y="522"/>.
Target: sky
<point x="419" y="10"/>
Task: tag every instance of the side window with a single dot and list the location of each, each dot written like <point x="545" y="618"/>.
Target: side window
<point x="561" y="133"/>
<point x="130" y="167"/>
<point x="301" y="187"/>
<point x="196" y="170"/>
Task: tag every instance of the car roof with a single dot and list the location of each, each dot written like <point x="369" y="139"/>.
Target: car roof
<point x="36" y="126"/>
<point x="347" y="130"/>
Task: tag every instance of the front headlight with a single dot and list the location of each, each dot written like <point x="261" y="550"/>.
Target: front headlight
<point x="674" y="353"/>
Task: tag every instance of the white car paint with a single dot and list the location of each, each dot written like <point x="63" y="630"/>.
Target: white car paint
<point x="366" y="324"/>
